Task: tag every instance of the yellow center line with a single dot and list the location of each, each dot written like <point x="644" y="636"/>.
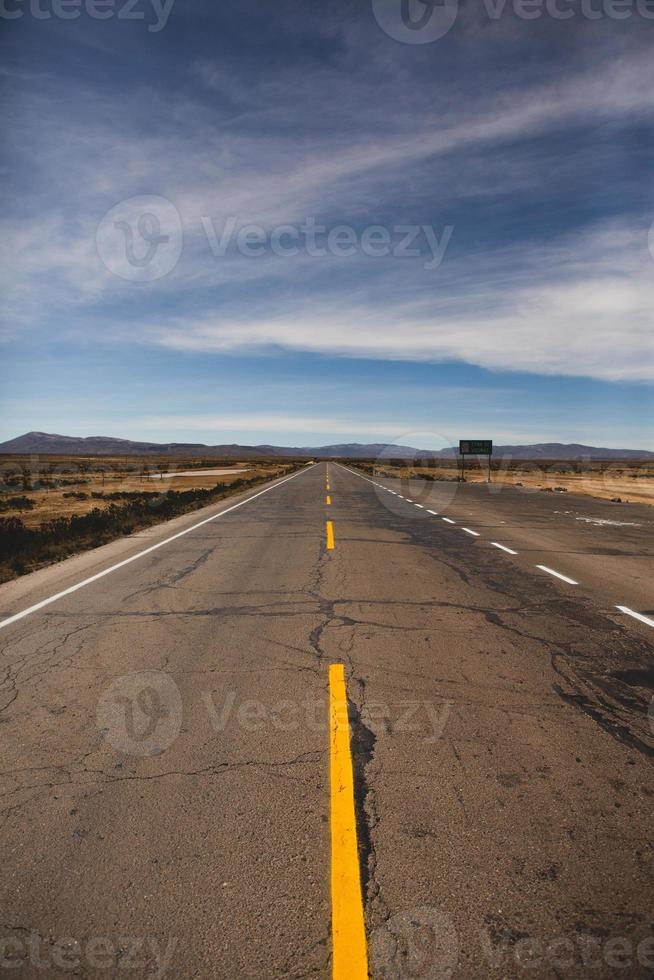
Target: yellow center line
<point x="349" y="953"/>
<point x="330" y="534"/>
<point x="328" y="499"/>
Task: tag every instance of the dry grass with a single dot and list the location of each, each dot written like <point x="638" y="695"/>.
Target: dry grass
<point x="49" y="482"/>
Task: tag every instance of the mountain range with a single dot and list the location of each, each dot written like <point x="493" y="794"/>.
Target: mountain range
<point x="45" y="442"/>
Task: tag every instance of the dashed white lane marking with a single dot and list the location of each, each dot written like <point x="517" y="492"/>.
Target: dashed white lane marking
<point x="408" y="500"/>
<point x="419" y="505"/>
<point x="636" y="615"/>
<point x="496" y="544"/>
<point x="468" y="531"/>
<point x="146" y="551"/>
<point x="503" y="547"/>
<point x="550" y="571"/>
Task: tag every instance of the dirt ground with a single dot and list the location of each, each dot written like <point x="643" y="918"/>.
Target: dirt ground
<point x="60" y="486"/>
<point x="633" y="483"/>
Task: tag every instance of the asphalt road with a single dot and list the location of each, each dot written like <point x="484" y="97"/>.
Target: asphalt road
<point x="165" y="738"/>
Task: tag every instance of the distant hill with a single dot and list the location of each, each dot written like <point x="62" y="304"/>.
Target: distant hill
<point x="45" y="442"/>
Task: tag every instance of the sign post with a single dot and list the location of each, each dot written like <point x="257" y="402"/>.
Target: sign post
<point x="475" y="447"/>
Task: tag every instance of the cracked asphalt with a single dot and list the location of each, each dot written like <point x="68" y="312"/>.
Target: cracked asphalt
<point x="164" y="787"/>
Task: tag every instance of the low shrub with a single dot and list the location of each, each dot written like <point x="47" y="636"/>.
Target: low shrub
<point x="17" y="503"/>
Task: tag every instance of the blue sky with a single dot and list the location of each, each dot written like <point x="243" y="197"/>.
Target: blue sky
<point x="515" y="154"/>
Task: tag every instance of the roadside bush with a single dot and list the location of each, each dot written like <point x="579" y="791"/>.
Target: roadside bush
<point x="17" y="503"/>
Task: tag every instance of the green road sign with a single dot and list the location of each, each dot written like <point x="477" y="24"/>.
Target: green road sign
<point x="475" y="447"/>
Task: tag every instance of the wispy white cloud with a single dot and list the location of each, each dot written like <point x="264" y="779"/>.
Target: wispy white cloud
<point x="583" y="307"/>
<point x="578" y="305"/>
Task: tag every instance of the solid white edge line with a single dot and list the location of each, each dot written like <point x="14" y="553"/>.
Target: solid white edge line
<point x="550" y="571"/>
<point x="503" y="547"/>
<point x="140" y="554"/>
<point x="636" y="615"/>
<point x="449" y="520"/>
<point x="468" y="531"/>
